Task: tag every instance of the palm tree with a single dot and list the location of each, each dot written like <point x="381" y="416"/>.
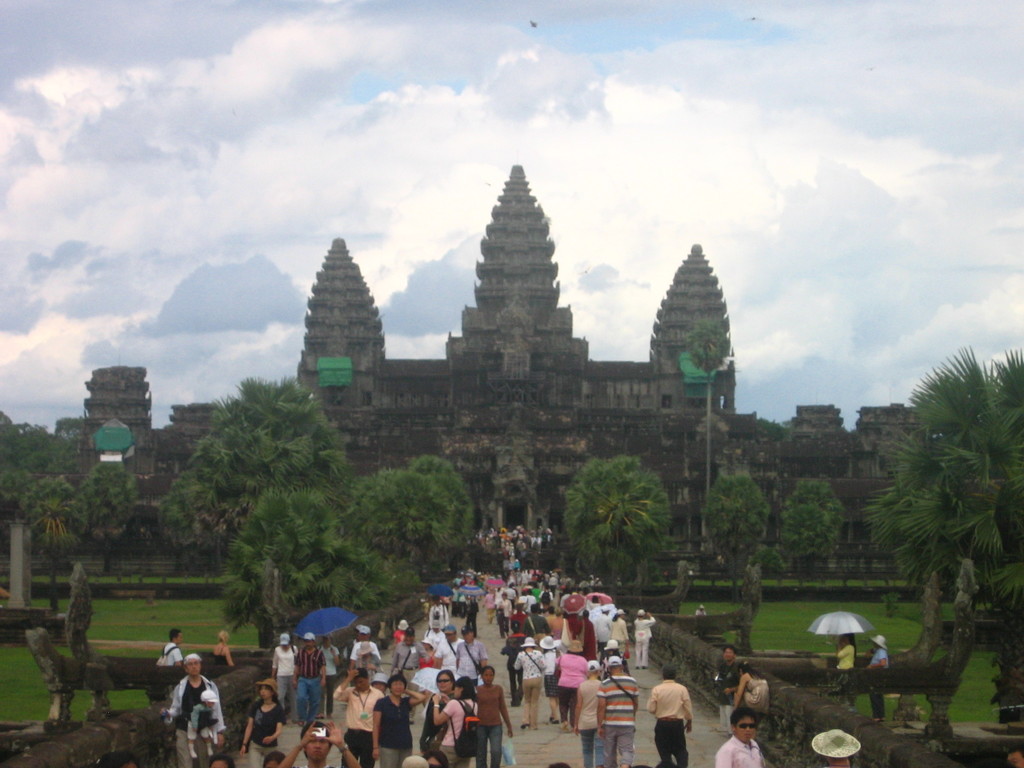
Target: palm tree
<point x="617" y="514"/>
<point x="708" y="345"/>
<point x="105" y="501"/>
<point x="51" y="509"/>
<point x="297" y="532"/>
<point x="271" y="435"/>
<point x="959" y="487"/>
<point x="811" y="518"/>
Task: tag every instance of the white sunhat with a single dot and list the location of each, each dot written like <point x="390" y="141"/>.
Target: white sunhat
<point x="835" y="743"/>
<point x="879" y="640"/>
<point x="547" y="643"/>
<point x="611" y="645"/>
<point x="529" y="643"/>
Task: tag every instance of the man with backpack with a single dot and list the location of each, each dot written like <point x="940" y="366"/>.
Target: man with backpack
<point x="171" y="656"/>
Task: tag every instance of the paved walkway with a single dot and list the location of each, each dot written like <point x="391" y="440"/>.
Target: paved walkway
<point x="548" y="744"/>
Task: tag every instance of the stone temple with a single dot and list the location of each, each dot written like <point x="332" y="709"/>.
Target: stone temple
<point x="518" y="406"/>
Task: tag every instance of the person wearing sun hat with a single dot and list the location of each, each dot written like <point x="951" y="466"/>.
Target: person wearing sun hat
<point x="879" y="660"/>
<point x="531" y="662"/>
<point x="264" y="723"/>
<point x="836" y="746"/>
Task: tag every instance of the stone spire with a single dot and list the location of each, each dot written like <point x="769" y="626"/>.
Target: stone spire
<point x="342" y="319"/>
<point x="694" y="295"/>
<point x="517" y="251"/>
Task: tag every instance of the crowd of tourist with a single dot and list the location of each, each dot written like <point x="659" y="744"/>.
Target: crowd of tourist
<point x="567" y="651"/>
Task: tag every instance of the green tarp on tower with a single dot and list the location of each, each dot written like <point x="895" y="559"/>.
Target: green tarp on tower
<point x="695" y="381"/>
<point x="334" y="371"/>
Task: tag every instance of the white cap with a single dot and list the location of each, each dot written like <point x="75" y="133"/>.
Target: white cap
<point x="193" y="657"/>
<point x="611" y="645"/>
<point x="593" y="666"/>
<point x="309" y="636"/>
<point x="641" y="612"/>
<point x="362" y="629"/>
<point x="403" y="624"/>
<point x="614" y="661"/>
<point x="285" y="639"/>
<point x="208" y="697"/>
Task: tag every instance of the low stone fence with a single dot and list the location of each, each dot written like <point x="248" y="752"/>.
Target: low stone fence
<point x="796" y="713"/>
<point x="142" y="731"/>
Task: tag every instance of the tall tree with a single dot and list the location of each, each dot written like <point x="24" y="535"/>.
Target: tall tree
<point x="297" y="532"/>
<point x="708" y="345"/>
<point x="105" y="501"/>
<point x="271" y="435"/>
<point x="421" y="514"/>
<point x="958" y="489"/>
<point x="811" y="519"/>
<point x="50" y="505"/>
<point x="617" y="515"/>
<point x="735" y="519"/>
<point x="32" y="448"/>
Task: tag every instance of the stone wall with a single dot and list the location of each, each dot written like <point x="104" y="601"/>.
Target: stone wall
<point x="796" y="715"/>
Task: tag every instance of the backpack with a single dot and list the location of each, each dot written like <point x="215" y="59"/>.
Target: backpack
<point x="466" y="741"/>
<point x="165" y="657"/>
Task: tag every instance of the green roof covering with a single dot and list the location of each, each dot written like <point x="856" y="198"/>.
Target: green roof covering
<point x="113" y="436"/>
<point x="695" y="381"/>
<point x="334" y="371"/>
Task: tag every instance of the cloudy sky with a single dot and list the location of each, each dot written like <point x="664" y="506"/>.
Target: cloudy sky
<point x="173" y="172"/>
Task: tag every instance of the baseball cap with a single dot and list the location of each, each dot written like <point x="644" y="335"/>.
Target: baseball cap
<point x="614" y="661"/>
<point x="362" y="629"/>
<point x="448" y="628"/>
<point x="285" y="639"/>
<point x="593" y="666"/>
<point x="309" y="636"/>
<point x="208" y="697"/>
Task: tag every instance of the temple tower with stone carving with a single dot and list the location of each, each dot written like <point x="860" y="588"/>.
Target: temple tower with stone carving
<point x="344" y="345"/>
<point x="517" y="344"/>
<point x="693" y="296"/>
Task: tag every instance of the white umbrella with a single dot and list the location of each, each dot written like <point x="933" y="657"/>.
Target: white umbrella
<point x="840" y="623"/>
<point x="426" y="679"/>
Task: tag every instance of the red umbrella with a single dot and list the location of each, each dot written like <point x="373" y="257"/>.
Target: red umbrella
<point x="601" y="596"/>
<point x="573" y="603"/>
<point x="495" y="582"/>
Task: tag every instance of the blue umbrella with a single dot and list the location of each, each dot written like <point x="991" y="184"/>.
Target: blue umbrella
<point x="324" y="621"/>
<point x="440" y="590"/>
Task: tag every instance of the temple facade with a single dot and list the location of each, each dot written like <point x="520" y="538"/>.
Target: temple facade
<point x="518" y="406"/>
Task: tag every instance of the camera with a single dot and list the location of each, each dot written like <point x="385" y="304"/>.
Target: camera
<point x="319" y="733"/>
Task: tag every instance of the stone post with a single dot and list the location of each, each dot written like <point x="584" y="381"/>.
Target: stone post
<point x="21" y="565"/>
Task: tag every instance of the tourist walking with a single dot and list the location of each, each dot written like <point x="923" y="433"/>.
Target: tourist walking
<point x="311" y="677"/>
<point x="585" y="724"/>
<point x="879" y="660"/>
<point x="392" y="737"/>
<point x="531" y="662"/>
<point x="727" y="679"/>
<point x="264" y="723"/>
<point x="492" y="711"/>
<point x="642" y="631"/>
<point x="432" y="733"/>
<point x="186" y="695"/>
<point x="360" y="700"/>
<point x="572" y="671"/>
<point x="742" y="749"/>
<point x="617" y="701"/>
<point x="463" y="703"/>
<point x="283" y="670"/>
<point x="670" y="705"/>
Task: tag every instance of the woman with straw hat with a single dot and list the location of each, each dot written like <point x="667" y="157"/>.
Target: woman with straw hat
<point x="836" y="746"/>
<point x="263" y="727"/>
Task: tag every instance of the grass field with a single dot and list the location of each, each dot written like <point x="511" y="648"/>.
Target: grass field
<point x="783" y="626"/>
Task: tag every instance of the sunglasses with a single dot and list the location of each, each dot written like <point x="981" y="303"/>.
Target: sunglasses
<point x="746" y="725"/>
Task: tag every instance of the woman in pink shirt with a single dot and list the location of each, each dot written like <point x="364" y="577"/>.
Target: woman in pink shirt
<point x="573" y="671"/>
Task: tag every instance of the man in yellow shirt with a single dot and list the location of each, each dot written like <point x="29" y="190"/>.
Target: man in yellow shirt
<point x="670" y="704"/>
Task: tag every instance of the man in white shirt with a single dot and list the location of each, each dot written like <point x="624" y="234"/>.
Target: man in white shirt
<point x="356" y="660"/>
<point x="470" y="655"/>
<point x="284" y="671"/>
<point x="602" y="628"/>
<point x="171" y="656"/>
<point x="445" y="650"/>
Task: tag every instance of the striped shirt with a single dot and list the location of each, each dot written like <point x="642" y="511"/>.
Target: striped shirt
<point x="309" y="663"/>
<point x="619" y="701"/>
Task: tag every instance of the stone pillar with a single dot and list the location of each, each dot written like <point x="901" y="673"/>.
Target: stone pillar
<point x="21" y="565"/>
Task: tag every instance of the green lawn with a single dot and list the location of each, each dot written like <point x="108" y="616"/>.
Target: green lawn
<point x="783" y="626"/>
